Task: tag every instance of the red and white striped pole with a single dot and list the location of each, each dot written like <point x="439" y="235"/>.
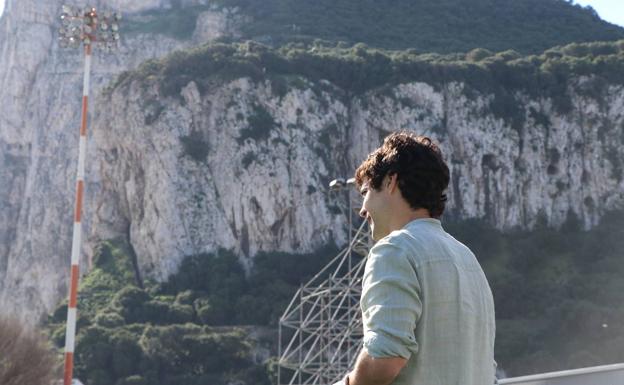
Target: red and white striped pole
<point x="82" y="26"/>
<point x="70" y="332"/>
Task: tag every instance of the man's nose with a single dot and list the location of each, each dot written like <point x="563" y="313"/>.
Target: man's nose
<point x="363" y="212"/>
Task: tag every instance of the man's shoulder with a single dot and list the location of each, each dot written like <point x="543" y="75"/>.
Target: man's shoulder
<point x="396" y="239"/>
<point x="398" y="242"/>
<point x="406" y="238"/>
<point x="422" y="241"/>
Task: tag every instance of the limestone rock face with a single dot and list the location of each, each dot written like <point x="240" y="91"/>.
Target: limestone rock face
<point x="551" y="167"/>
<point x="242" y="165"/>
<point x="244" y="192"/>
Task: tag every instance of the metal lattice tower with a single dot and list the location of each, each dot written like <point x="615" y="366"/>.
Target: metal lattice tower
<point x="320" y="333"/>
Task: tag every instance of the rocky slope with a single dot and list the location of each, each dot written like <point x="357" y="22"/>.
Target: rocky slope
<point x="244" y="164"/>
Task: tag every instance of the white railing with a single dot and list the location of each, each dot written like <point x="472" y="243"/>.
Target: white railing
<point x="598" y="375"/>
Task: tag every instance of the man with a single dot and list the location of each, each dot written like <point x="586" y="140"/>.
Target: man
<point x="427" y="308"/>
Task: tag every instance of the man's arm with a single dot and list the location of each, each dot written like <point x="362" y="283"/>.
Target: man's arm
<point x="391" y="308"/>
<point x="375" y="371"/>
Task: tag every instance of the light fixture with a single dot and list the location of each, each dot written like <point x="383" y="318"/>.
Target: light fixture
<point x="82" y="25"/>
<point x="336" y="184"/>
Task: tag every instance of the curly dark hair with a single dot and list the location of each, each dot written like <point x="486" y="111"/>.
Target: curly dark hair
<point x="422" y="174"/>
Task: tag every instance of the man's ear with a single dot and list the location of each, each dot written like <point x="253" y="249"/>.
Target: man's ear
<point x="392" y="183"/>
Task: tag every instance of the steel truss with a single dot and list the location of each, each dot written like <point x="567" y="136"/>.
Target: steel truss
<point x="320" y="333"/>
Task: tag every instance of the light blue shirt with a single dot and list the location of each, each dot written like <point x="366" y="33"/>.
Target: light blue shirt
<point x="425" y="298"/>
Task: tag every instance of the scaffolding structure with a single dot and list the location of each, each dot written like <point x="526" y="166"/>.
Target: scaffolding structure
<point x="320" y="333"/>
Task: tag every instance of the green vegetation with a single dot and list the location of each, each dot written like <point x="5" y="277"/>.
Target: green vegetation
<point x="260" y="125"/>
<point x="180" y="331"/>
<point x="559" y="293"/>
<point x="223" y="295"/>
<point x="152" y="110"/>
<point x="248" y="159"/>
<point x="360" y="69"/>
<point x="442" y="26"/>
<point x="178" y="22"/>
<point x="195" y="146"/>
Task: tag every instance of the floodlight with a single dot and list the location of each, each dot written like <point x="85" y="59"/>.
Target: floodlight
<point x="114" y="27"/>
<point x="336" y="184"/>
<point x="103" y="26"/>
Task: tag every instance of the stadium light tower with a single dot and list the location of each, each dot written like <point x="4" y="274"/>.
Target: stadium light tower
<point x="82" y="26"/>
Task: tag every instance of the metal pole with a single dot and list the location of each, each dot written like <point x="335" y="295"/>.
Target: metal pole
<point x="279" y="354"/>
<point x="70" y="332"/>
<point x="301" y="300"/>
<point x="82" y="26"/>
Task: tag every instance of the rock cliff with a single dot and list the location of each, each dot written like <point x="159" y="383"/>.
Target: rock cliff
<point x="266" y="190"/>
<point x="40" y="91"/>
<point x="244" y="164"/>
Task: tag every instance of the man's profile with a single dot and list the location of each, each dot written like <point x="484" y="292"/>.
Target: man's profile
<point x="427" y="308"/>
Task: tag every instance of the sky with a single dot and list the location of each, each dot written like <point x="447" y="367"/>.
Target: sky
<point x="609" y="10"/>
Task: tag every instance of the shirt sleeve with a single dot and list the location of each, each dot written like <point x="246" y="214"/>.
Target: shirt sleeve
<point x="391" y="304"/>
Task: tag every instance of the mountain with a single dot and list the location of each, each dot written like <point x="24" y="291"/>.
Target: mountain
<point x="443" y="26"/>
<point x="232" y="144"/>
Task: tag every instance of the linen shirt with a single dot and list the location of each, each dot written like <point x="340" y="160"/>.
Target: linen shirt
<point x="425" y="298"/>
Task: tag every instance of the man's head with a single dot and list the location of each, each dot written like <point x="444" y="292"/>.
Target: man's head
<point x="407" y="173"/>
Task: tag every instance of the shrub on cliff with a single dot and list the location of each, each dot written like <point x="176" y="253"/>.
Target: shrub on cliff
<point x="360" y="69"/>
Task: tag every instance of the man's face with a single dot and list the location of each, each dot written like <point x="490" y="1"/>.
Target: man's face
<point x="375" y="209"/>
